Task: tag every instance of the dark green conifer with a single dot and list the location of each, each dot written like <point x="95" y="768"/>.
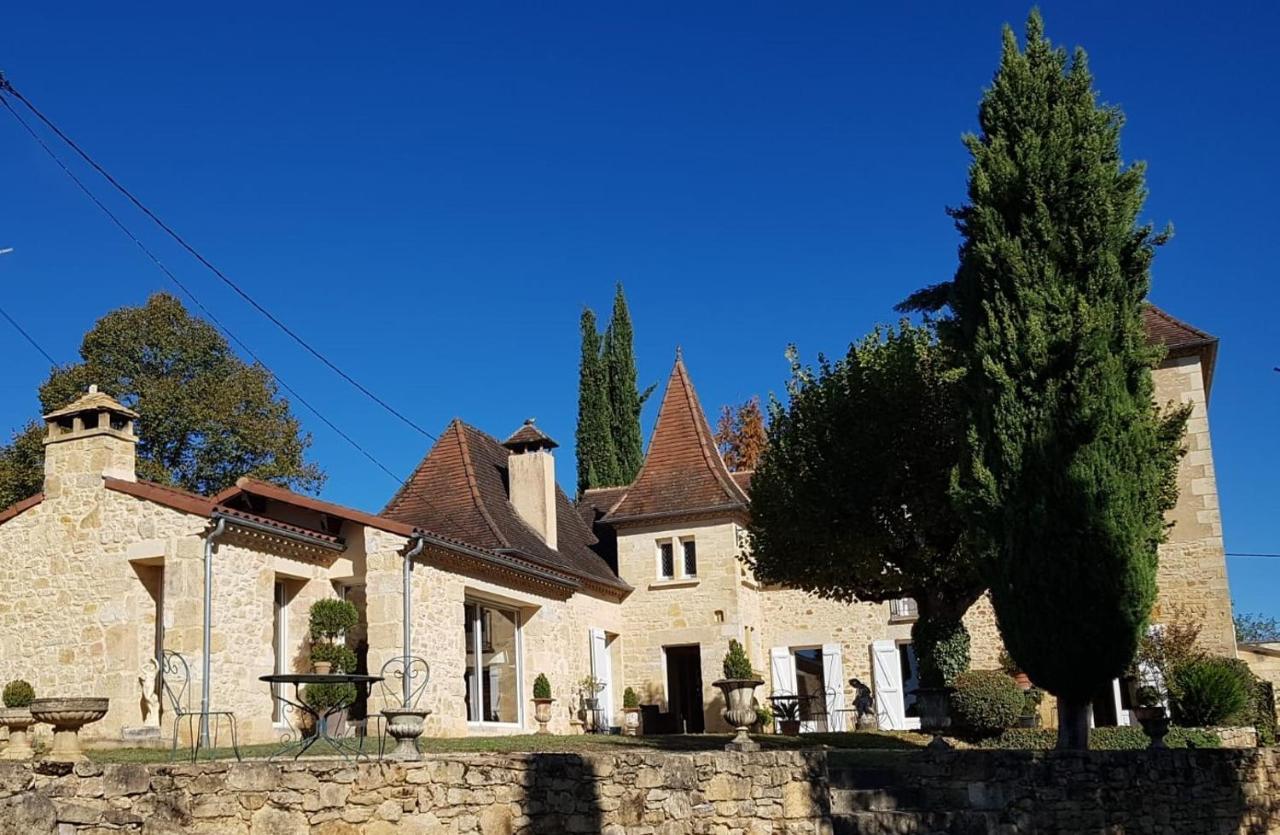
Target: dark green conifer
<point x="597" y="460"/>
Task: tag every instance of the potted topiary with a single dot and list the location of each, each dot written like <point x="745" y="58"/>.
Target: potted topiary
<point x="1150" y="713"/>
<point x="16" y="716"/>
<point x="630" y="712"/>
<point x="1031" y="698"/>
<point x="739" y="687"/>
<point x="542" y="702"/>
<point x="331" y="619"/>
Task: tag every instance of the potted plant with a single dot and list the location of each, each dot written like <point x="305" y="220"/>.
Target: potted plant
<point x="1031" y="698"/>
<point x="589" y="695"/>
<point x="331" y="619"/>
<point x="542" y="702"/>
<point x="1150" y="713"/>
<point x="16" y="716"/>
<point x="786" y="712"/>
<point x="764" y="718"/>
<point x="630" y="712"/>
<point x="739" y="687"/>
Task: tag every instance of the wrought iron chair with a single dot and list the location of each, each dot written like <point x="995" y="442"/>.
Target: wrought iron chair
<point x="175" y="680"/>
<point x="394" y="674"/>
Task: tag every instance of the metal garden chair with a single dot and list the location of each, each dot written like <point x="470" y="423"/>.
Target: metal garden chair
<point x="404" y="680"/>
<point x="175" y="680"/>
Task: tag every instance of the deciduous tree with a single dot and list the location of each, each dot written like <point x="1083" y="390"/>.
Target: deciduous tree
<point x="207" y="417"/>
<point x="741" y="435"/>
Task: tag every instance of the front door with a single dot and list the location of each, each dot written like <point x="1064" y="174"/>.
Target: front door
<point x="684" y="688"/>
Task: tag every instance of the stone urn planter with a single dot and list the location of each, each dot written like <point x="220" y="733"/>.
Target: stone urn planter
<point x="68" y="716"/>
<point x="17" y="720"/>
<point x="935" y="708"/>
<point x="1155" y="724"/>
<point x="740" y="710"/>
<point x="542" y="713"/>
<point x="404" y="725"/>
<point x="631" y="721"/>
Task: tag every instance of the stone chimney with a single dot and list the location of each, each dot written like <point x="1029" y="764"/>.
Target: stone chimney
<point x="531" y="479"/>
<point x="91" y="438"/>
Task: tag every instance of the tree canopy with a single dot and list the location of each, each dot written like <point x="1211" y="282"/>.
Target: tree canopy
<point x="1069" y="465"/>
<point x="1255" y="628"/>
<point x="741" y="435"/>
<point x="851" y="498"/>
<point x="207" y="417"/>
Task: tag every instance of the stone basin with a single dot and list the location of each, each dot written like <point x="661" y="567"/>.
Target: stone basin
<point x="17" y="720"/>
<point x="68" y="716"/>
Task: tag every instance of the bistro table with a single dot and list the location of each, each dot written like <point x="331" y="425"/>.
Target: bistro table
<point x="319" y="716"/>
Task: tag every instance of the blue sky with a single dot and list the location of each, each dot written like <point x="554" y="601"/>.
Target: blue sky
<point x="432" y="192"/>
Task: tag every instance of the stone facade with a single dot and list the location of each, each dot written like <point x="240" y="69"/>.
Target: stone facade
<point x="490" y="794"/>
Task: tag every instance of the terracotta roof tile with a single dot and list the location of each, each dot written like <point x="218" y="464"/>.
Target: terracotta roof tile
<point x="460" y="490"/>
<point x="1181" y="339"/>
<point x="683" y="472"/>
<point x="287" y="527"/>
<point x="17" y="508"/>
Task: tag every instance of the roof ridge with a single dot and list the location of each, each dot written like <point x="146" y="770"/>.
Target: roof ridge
<point x="703" y="428"/>
<point x="1169" y="317"/>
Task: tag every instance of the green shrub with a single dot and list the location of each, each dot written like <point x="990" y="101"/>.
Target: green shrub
<point x="541" y="687"/>
<point x="1209" y="691"/>
<point x="1264" y="711"/>
<point x="764" y="716"/>
<point x="325" y="696"/>
<point x="331" y="618"/>
<point x="339" y="655"/>
<point x="629" y="698"/>
<point x="1031" y="699"/>
<point x="986" y="701"/>
<point x="1114" y="739"/>
<point x="19" y="693"/>
<point x="736" y="663"/>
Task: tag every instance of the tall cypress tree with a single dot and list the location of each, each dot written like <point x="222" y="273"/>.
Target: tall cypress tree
<point x="597" y="459"/>
<point x="625" y="398"/>
<point x="1069" y="463"/>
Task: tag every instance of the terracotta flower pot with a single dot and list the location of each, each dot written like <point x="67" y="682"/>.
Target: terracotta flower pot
<point x="322" y="668"/>
<point x="740" y="709"/>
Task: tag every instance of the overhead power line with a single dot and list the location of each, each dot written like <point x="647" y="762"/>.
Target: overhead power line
<point x="403" y="483"/>
<point x="27" y="336"/>
<point x="1260" y="556"/>
<point x="7" y="87"/>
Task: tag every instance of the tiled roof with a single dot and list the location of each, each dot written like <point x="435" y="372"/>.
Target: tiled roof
<point x="235" y="514"/>
<point x="529" y="436"/>
<point x="683" y="472"/>
<point x="1181" y="339"/>
<point x="460" y="490"/>
<point x="17" y="508"/>
<point x="162" y="494"/>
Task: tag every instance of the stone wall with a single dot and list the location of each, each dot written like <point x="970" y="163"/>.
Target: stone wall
<point x="1009" y="792"/>
<point x="491" y="794"/>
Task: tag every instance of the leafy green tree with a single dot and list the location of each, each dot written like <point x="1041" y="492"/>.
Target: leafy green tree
<point x="597" y="459"/>
<point x="625" y="398"/>
<point x="1256" y="628"/>
<point x="856" y="477"/>
<point x="207" y="416"/>
<point x="1069" y="465"/>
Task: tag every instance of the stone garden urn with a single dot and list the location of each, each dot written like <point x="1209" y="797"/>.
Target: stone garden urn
<point x="17" y="720"/>
<point x="740" y="710"/>
<point x="542" y="714"/>
<point x="1155" y="724"/>
<point x="631" y="721"/>
<point x="68" y="716"/>
<point x="404" y="725"/>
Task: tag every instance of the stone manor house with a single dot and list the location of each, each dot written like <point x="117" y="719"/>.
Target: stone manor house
<point x="639" y="585"/>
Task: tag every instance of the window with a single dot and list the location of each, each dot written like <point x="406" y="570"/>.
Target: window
<point x="492" y="675"/>
<point x="690" y="558"/>
<point x="666" y="560"/>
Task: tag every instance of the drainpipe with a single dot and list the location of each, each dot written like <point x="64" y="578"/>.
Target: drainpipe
<point x="406" y="603"/>
<point x="217" y="531"/>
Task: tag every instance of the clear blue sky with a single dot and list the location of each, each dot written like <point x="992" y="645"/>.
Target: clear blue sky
<point x="432" y="194"/>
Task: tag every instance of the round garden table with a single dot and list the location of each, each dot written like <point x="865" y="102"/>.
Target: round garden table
<point x="320" y="716"/>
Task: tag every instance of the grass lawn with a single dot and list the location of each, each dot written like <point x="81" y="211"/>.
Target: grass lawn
<point x="533" y="743"/>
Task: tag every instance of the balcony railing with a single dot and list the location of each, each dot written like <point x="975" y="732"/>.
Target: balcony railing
<point x="903" y="609"/>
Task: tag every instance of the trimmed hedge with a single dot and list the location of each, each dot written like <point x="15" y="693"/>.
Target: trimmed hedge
<point x="986" y="701"/>
<point x="541" y="687"/>
<point x="18" y="693"/>
<point x="1112" y="739"/>
<point x="339" y="655"/>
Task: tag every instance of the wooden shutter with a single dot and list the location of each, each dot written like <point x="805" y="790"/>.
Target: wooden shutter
<point x="886" y="672"/>
<point x="833" y="681"/>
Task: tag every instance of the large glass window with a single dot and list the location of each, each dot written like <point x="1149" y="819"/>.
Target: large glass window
<point x="492" y="676"/>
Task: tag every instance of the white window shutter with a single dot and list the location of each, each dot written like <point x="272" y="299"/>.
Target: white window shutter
<point x="833" y="678"/>
<point x="602" y="670"/>
<point x="886" y="672"/>
<point x="783" y="668"/>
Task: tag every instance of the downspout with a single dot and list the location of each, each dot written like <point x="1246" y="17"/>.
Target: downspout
<point x="217" y="531"/>
<point x="406" y="604"/>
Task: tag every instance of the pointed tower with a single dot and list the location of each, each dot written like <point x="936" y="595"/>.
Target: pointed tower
<point x="683" y="473"/>
<point x="87" y="440"/>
